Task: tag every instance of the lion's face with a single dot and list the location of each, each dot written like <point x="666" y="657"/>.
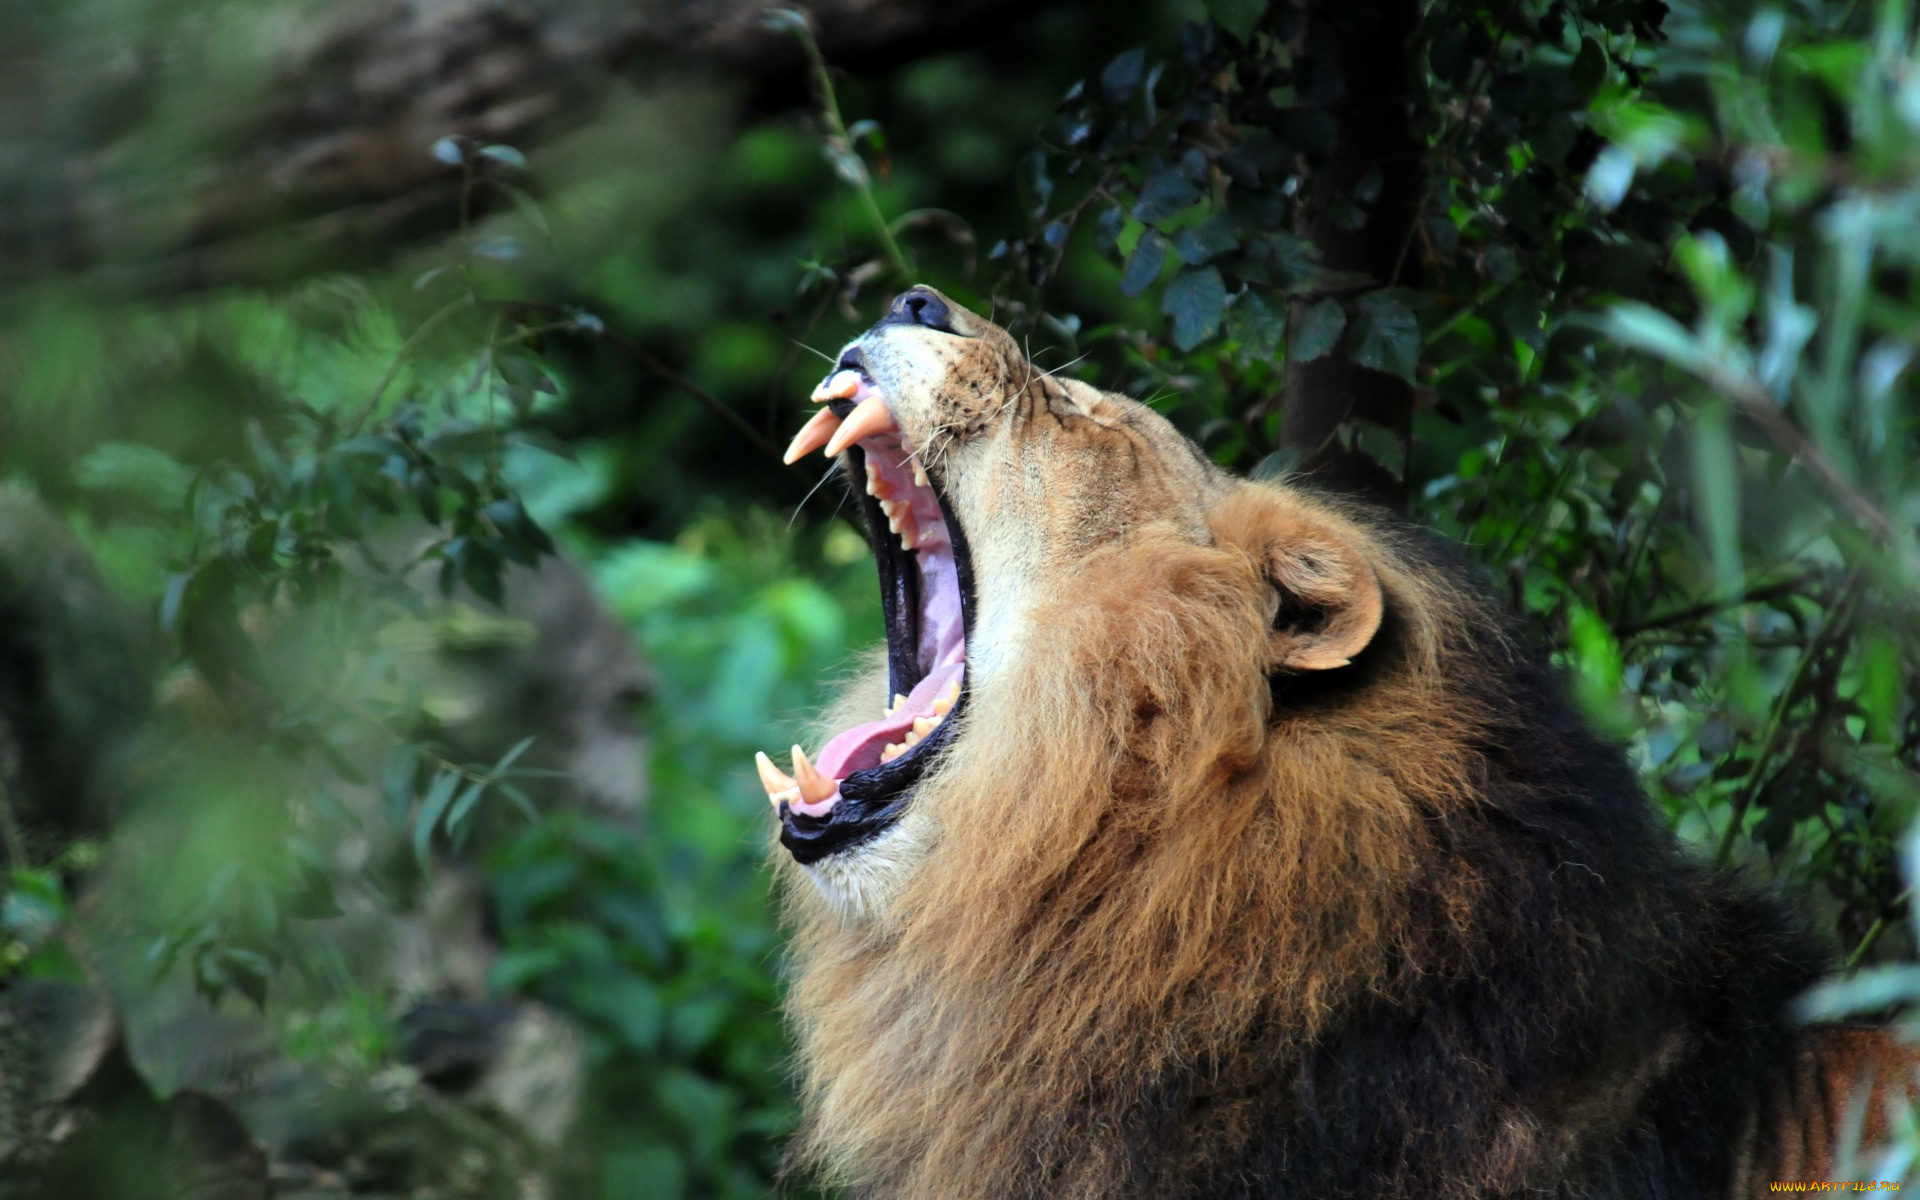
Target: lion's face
<point x="985" y="483"/>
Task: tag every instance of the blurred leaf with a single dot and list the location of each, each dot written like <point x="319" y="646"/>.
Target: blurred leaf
<point x="1237" y="17"/>
<point x="1386" y="336"/>
<point x="1317" y="331"/>
<point x="1196" y="300"/>
<point x="1121" y="77"/>
<point x="1143" y="265"/>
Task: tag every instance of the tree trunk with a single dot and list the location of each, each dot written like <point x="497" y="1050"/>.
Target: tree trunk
<point x="1327" y="403"/>
<point x="228" y="144"/>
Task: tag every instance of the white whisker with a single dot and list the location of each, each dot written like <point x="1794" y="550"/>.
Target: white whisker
<point x="832" y="470"/>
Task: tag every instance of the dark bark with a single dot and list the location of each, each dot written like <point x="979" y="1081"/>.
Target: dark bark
<point x="1368" y="44"/>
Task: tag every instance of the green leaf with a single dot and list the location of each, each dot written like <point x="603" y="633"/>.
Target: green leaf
<point x="508" y="759"/>
<point x="1386" y="336"/>
<point x="1200" y="243"/>
<point x="1237" y="17"/>
<point x="1165" y="193"/>
<point x="438" y="797"/>
<point x="1257" y="325"/>
<point x="1589" y="70"/>
<point x="1196" y="300"/>
<point x="520" y="800"/>
<point x="469" y="796"/>
<point x="396" y="782"/>
<point x="505" y="155"/>
<point x="1716" y="477"/>
<point x="1122" y="75"/>
<point x="1143" y="265"/>
<point x="1317" y="330"/>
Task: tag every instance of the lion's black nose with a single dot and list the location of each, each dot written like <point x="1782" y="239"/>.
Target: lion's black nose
<point x="919" y="306"/>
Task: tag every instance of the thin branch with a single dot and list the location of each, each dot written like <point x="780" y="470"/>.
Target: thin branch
<point x="1707" y="608"/>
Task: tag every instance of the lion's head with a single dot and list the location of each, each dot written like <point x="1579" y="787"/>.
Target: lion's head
<point x="1001" y="500"/>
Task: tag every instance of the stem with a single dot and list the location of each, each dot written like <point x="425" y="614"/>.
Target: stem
<point x="1838" y="618"/>
<point x="400" y="356"/>
<point x="1873" y="933"/>
<point x="837" y="131"/>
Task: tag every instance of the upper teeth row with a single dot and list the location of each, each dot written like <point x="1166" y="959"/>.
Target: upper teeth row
<point x="900" y="518"/>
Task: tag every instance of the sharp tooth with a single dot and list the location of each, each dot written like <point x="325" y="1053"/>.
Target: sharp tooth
<point x="814" y="787"/>
<point x="924" y="725"/>
<point x="942" y="707"/>
<point x="813" y="435"/>
<point x="871" y="417"/>
<point x="892" y="510"/>
<point x="894" y="750"/>
<point x="779" y="786"/>
<point x="912" y="738"/>
<point x="898" y="700"/>
<point x="837" y="386"/>
<point x="919" y="473"/>
<point x="908" y="531"/>
<point x="952" y="694"/>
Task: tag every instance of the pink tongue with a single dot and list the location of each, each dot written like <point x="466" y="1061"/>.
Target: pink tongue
<point x="859" y="748"/>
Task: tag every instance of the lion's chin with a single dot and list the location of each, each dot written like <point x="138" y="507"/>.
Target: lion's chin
<point x="858" y="786"/>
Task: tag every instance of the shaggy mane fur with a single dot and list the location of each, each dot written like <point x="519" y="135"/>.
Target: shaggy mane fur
<point x="1192" y="925"/>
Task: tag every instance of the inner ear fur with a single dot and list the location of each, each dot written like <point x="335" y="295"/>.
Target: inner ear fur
<point x="1326" y="601"/>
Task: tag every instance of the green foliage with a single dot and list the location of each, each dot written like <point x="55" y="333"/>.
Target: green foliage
<point x="1653" y="308"/>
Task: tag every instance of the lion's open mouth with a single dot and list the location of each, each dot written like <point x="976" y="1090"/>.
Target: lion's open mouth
<point x="858" y="784"/>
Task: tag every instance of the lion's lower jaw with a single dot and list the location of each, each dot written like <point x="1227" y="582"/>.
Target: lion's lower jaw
<point x="860" y="882"/>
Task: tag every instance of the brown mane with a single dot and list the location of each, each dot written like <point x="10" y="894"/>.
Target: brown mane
<point x="1265" y="858"/>
<point x="1148" y="857"/>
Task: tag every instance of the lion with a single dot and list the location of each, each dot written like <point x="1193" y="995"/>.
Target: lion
<point x="1224" y="839"/>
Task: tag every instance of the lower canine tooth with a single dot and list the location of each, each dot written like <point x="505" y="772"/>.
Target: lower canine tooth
<point x="814" y="787"/>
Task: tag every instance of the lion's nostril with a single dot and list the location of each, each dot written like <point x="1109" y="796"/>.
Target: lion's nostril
<point x="918" y="306"/>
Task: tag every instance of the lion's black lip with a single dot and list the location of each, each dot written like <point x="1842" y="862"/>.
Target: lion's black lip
<point x="851" y="360"/>
<point x="872" y="800"/>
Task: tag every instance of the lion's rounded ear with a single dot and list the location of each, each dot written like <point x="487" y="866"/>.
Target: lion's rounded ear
<point x="1326" y="600"/>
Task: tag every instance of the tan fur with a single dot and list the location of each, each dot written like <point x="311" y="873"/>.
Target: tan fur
<point x="1128" y="861"/>
<point x="1262" y="860"/>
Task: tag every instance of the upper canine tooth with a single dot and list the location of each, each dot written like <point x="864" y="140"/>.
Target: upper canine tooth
<point x="870" y="417"/>
<point x="779" y="786"/>
<point x="814" y="787"/>
<point x="837" y="386"/>
<point x="814" y="434"/>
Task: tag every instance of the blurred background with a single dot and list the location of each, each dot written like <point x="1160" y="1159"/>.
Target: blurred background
<point x="397" y="570"/>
